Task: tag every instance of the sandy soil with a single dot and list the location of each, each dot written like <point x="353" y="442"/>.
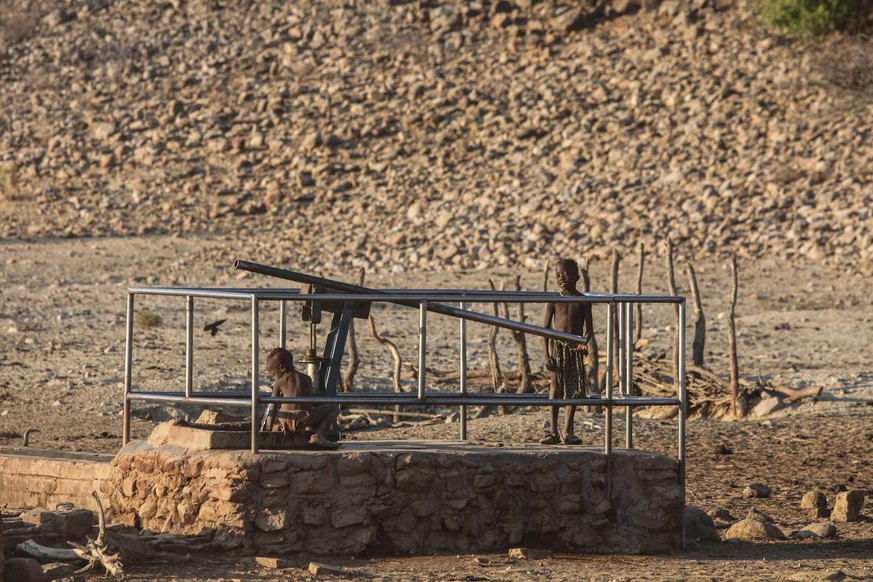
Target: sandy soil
<point x="62" y="313"/>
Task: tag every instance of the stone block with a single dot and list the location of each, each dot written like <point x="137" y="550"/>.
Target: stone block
<point x="273" y="563"/>
<point x="312" y="481"/>
<point x="272" y="519"/>
<point x="848" y="505"/>
<point x="346" y="516"/>
<point x="813" y="499"/>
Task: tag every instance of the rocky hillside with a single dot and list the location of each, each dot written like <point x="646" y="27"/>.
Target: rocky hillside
<point x="431" y="134"/>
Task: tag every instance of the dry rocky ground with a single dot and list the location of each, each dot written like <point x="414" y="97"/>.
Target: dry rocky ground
<point x="439" y="144"/>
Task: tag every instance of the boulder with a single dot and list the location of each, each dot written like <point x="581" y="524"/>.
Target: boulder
<point x="699" y="525"/>
<point x="23" y="570"/>
<point x="753" y="530"/>
<point x="817" y="530"/>
<point x="756" y="490"/>
<point x="72" y="523"/>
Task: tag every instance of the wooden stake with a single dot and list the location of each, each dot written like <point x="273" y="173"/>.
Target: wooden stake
<point x="738" y="408"/>
<point x="354" y="358"/>
<point x="497" y="379"/>
<point x="593" y="353"/>
<point x="638" y="321"/>
<point x="671" y="285"/>
<point x="616" y="261"/>
<point x="699" y="342"/>
<point x="524" y="371"/>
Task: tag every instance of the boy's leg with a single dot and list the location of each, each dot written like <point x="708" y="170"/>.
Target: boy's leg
<point x="570" y="437"/>
<point x="552" y="437"/>
<point x="322" y="417"/>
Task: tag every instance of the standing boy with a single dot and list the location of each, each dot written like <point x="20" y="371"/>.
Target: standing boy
<point x="565" y="361"/>
<point x="291" y="419"/>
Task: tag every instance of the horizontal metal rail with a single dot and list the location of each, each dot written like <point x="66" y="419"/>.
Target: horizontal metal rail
<point x="443" y="399"/>
<point x="267" y="294"/>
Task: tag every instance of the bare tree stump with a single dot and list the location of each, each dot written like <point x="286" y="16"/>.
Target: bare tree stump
<point x="699" y="343"/>
<point x="398" y="363"/>
<point x="354" y="358"/>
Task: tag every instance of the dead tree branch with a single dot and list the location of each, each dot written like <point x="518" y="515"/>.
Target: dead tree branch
<point x="95" y="551"/>
<point x="398" y="362"/>
<point x="699" y="343"/>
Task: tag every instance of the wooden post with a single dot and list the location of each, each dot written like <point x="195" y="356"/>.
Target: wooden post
<point x="616" y="262"/>
<point x="497" y="378"/>
<point x="638" y="321"/>
<point x="524" y="371"/>
<point x="671" y="284"/>
<point x="593" y="353"/>
<point x="354" y="358"/>
<point x="738" y="408"/>
<point x="699" y="343"/>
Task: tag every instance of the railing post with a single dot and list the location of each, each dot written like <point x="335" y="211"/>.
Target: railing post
<point x="683" y="407"/>
<point x="422" y="346"/>
<point x="610" y="356"/>
<point x="189" y="346"/>
<point x="463" y="373"/>
<point x="128" y="369"/>
<point x="255" y="366"/>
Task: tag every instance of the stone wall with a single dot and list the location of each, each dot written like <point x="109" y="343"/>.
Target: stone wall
<point x="35" y="478"/>
<point x="401" y="498"/>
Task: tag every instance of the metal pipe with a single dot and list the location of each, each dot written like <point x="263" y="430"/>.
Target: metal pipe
<point x="449" y="399"/>
<point x="189" y="345"/>
<point x="463" y="373"/>
<point x="422" y="346"/>
<point x="283" y="319"/>
<point x="683" y="408"/>
<point x="628" y="373"/>
<point x="128" y="370"/>
<point x="402" y="296"/>
<point x="610" y="319"/>
<point x="435" y="307"/>
<point x="179" y="397"/>
<point x="622" y="386"/>
<point x="255" y="366"/>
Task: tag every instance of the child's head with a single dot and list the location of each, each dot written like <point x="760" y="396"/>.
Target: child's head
<point x="279" y="362"/>
<point x="567" y="274"/>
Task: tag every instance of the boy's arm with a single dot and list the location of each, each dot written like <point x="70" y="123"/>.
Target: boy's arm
<point x="274" y="408"/>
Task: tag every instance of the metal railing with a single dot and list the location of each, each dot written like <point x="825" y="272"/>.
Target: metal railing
<point x="619" y="308"/>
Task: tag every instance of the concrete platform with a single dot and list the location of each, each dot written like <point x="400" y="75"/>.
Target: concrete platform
<point x="385" y="497"/>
